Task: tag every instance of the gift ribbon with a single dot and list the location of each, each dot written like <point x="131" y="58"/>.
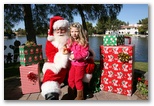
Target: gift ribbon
<point x="32" y="76"/>
<point x="30" y="43"/>
<point x="123" y="57"/>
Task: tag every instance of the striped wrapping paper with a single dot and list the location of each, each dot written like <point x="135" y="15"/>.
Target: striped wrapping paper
<point x="30" y="78"/>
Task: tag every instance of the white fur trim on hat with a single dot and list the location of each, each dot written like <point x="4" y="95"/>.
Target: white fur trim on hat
<point x="50" y="38"/>
<point x="87" y="78"/>
<point x="50" y="86"/>
<point x="61" y="23"/>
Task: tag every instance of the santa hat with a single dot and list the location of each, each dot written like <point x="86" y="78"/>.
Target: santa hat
<point x="55" y="23"/>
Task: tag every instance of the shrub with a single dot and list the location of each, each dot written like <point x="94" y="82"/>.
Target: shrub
<point x="142" y="86"/>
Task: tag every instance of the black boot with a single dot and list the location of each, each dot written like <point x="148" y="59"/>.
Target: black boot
<point x="87" y="91"/>
<point x="71" y="95"/>
<point x="52" y="96"/>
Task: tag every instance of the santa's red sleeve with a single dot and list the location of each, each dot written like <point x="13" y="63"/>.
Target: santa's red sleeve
<point x="50" y="51"/>
<point x="56" y="60"/>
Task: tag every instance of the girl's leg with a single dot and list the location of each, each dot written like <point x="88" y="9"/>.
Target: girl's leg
<point x="79" y="74"/>
<point x="71" y="85"/>
<point x="71" y="77"/>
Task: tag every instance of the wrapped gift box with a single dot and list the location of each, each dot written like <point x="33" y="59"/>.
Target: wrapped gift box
<point x="30" y="55"/>
<point x="30" y="78"/>
<point x="117" y="65"/>
<point x="113" y="40"/>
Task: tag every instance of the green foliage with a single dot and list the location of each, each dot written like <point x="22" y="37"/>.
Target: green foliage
<point x="95" y="81"/>
<point x="108" y="23"/>
<point x="21" y="31"/>
<point x="14" y="13"/>
<point x="40" y="14"/>
<point x="142" y="86"/>
<point x="90" y="28"/>
<point x="100" y="26"/>
<point x="142" y="29"/>
<point x="8" y="31"/>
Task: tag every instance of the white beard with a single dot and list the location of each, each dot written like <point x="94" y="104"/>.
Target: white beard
<point x="60" y="40"/>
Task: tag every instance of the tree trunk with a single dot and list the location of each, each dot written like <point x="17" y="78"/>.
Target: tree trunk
<point x="30" y="32"/>
<point x="83" y="20"/>
<point x="82" y="16"/>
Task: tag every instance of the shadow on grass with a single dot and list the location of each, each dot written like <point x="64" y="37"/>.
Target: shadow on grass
<point x="11" y="70"/>
<point x="12" y="89"/>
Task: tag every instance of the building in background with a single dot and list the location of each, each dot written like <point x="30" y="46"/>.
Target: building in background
<point x="129" y="29"/>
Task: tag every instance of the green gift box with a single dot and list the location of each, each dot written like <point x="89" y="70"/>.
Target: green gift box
<point x="30" y="54"/>
<point x="113" y="40"/>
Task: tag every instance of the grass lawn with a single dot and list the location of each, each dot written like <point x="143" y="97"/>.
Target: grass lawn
<point x="143" y="66"/>
<point x="12" y="70"/>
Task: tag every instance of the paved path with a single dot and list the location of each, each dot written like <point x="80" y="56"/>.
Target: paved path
<point x="12" y="91"/>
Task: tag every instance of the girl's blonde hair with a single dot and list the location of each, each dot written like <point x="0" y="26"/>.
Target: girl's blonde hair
<point x="82" y="34"/>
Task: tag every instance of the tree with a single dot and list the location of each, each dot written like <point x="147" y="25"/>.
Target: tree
<point x="40" y="14"/>
<point x="101" y="25"/>
<point x="88" y="12"/>
<point x="115" y="24"/>
<point x="90" y="28"/>
<point x="144" y="28"/>
<point x="36" y="19"/>
<point x="108" y="23"/>
<point x="12" y="15"/>
<point x="34" y="16"/>
<point x="21" y="31"/>
<point x="29" y="23"/>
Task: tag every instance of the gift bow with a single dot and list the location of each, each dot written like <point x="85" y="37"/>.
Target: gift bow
<point x="32" y="76"/>
<point x="123" y="57"/>
<point x="30" y="43"/>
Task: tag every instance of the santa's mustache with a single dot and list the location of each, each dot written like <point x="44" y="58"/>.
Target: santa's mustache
<point x="61" y="34"/>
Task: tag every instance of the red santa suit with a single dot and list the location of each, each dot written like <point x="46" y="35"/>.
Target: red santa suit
<point x="89" y="68"/>
<point x="55" y="69"/>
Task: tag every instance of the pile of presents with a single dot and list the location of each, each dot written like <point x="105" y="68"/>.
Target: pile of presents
<point x="30" y="58"/>
<point x="117" y="64"/>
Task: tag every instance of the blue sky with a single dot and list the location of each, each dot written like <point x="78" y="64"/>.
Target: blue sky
<point x="131" y="13"/>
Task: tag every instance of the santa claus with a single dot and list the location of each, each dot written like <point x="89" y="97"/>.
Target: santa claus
<point x="55" y="68"/>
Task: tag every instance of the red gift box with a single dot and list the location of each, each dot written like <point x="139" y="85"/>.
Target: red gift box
<point x="30" y="79"/>
<point x="117" y="74"/>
